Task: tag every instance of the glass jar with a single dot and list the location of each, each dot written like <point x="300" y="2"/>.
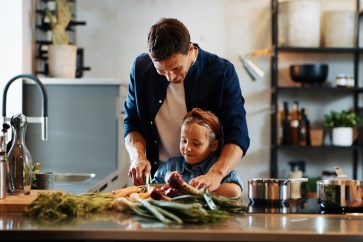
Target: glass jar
<point x="341" y="80"/>
<point x="350" y="80"/>
<point x="344" y="80"/>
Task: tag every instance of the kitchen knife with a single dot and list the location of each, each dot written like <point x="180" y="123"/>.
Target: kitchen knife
<point x="209" y="201"/>
<point x="148" y="181"/>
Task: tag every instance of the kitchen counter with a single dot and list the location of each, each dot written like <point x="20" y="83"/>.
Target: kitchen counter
<point x="241" y="227"/>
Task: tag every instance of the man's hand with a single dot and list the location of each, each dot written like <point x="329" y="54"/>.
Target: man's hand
<point x="136" y="145"/>
<point x="209" y="181"/>
<point x="138" y="170"/>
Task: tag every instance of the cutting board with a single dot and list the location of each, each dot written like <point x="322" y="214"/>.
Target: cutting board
<point x="18" y="203"/>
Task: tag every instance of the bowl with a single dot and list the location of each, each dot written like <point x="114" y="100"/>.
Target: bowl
<point x="309" y="73"/>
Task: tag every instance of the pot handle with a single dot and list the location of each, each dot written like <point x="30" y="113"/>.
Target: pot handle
<point x="303" y="179"/>
<point x="340" y="173"/>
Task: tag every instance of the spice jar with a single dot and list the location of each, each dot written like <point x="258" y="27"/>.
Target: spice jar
<point x="344" y="80"/>
<point x="350" y="81"/>
<point x="341" y="80"/>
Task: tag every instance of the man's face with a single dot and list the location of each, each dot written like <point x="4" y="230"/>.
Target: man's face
<point x="175" y="68"/>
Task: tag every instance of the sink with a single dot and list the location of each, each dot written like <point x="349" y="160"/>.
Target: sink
<point x="73" y="177"/>
<point x="48" y="180"/>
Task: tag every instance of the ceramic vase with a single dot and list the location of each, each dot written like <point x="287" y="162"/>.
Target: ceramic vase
<point x="62" y="61"/>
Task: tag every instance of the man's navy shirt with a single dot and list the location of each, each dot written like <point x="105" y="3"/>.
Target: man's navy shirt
<point x="211" y="84"/>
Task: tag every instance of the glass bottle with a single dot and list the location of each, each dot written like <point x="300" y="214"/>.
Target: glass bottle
<point x="3" y="167"/>
<point x="19" y="158"/>
<point x="286" y="129"/>
<point x="295" y="123"/>
<point x="304" y="131"/>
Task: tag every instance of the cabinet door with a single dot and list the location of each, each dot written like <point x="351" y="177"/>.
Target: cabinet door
<point x="83" y="128"/>
<point x="124" y="158"/>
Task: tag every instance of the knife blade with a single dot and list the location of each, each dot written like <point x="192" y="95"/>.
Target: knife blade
<point x="209" y="201"/>
<point x="148" y="181"/>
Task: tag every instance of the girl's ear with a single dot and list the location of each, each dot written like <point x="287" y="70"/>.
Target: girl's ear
<point x="214" y="145"/>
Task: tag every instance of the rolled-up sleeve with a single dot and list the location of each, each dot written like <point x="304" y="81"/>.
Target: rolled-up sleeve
<point x="233" y="113"/>
<point x="131" y="121"/>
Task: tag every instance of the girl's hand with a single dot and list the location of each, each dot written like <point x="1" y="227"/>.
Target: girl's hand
<point x="209" y="181"/>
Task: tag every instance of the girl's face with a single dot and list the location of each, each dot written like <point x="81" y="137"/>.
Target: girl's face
<point x="195" y="144"/>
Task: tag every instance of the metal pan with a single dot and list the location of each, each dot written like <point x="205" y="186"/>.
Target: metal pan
<point x="270" y="190"/>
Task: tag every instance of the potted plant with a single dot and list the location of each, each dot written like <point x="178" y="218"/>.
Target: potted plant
<point x="61" y="54"/>
<point x="342" y="124"/>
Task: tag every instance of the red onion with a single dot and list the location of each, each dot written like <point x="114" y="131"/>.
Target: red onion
<point x="156" y="193"/>
<point x="172" y="192"/>
<point x="174" y="179"/>
<point x="164" y="188"/>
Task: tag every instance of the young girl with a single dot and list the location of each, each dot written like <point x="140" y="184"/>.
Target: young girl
<point x="200" y="141"/>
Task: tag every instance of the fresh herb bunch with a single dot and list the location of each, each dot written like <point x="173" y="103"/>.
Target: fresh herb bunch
<point x="36" y="169"/>
<point x="342" y="119"/>
<point x="58" y="207"/>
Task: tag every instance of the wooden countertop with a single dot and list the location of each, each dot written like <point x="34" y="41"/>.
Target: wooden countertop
<point x="246" y="227"/>
<point x="18" y="203"/>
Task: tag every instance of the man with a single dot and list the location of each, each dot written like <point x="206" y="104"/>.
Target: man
<point x="176" y="76"/>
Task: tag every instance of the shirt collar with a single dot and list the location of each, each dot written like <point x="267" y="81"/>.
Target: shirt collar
<point x="201" y="166"/>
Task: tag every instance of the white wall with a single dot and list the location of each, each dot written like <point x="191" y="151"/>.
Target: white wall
<point x="116" y="33"/>
<point x="15" y="49"/>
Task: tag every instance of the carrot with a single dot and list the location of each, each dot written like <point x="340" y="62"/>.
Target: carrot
<point x="144" y="195"/>
<point x="123" y="192"/>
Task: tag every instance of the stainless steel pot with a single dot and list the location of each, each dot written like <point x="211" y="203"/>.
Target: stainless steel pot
<point x="340" y="193"/>
<point x="270" y="190"/>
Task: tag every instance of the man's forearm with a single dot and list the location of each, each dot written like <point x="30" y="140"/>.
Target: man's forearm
<point x="229" y="158"/>
<point x="135" y="146"/>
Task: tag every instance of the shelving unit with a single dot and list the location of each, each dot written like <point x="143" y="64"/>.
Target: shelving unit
<point x="276" y="90"/>
<point x="43" y="37"/>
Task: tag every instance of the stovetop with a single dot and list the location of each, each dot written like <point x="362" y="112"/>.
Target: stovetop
<point x="298" y="206"/>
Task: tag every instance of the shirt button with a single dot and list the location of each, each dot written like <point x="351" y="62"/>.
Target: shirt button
<point x="151" y="122"/>
<point x="155" y="163"/>
<point x="155" y="141"/>
<point x="160" y="101"/>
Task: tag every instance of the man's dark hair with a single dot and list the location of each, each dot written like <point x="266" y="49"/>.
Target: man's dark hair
<point x="167" y="37"/>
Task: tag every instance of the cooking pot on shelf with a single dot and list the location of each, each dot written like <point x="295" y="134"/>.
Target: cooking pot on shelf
<point x="340" y="193"/>
<point x="269" y="190"/>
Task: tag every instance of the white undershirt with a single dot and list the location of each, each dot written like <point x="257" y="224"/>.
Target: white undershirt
<point x="169" y="120"/>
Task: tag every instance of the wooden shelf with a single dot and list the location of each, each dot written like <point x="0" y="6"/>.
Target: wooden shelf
<point x="323" y="147"/>
<point x="342" y="90"/>
<point x="325" y="89"/>
<point x="319" y="50"/>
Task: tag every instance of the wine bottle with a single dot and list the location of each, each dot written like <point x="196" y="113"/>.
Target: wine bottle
<point x="304" y="130"/>
<point x="286" y="132"/>
<point x="295" y="124"/>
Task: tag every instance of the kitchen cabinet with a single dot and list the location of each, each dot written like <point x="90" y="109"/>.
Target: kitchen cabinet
<point x="85" y="129"/>
<point x="278" y="92"/>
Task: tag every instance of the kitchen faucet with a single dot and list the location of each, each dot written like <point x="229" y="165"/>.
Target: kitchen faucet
<point x="44" y="119"/>
<point x="19" y="160"/>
